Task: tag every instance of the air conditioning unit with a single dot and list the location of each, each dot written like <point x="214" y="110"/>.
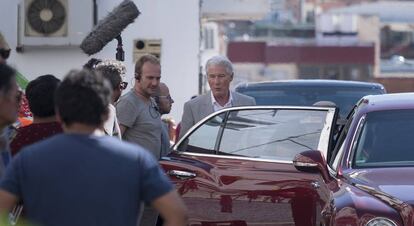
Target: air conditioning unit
<point x="45" y="18"/>
<point x="146" y="46"/>
<point x="54" y="22"/>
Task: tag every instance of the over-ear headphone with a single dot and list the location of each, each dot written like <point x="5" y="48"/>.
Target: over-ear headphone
<point x="137" y="76"/>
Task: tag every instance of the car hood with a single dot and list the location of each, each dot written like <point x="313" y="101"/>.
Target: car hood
<point x="394" y="184"/>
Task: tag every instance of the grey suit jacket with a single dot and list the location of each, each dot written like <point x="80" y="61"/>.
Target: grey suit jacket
<point x="201" y="106"/>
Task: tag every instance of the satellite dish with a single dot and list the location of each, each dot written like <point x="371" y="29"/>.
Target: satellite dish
<point x="46" y="16"/>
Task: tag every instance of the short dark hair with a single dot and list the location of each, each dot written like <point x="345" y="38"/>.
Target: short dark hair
<point x="41" y="95"/>
<point x="7" y="74"/>
<point x="111" y="73"/>
<point x="83" y="97"/>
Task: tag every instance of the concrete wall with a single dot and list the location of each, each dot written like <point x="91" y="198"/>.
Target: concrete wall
<point x="397" y="84"/>
<point x="369" y="31"/>
<point x="258" y="72"/>
<point x="235" y="9"/>
<point x="175" y="22"/>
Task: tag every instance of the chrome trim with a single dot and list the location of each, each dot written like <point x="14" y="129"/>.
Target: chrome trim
<point x="315" y="184"/>
<point x="326" y="133"/>
<point x="165" y="158"/>
<point x="182" y="175"/>
<point x="331" y="171"/>
<point x="381" y="218"/>
<point x="255" y="107"/>
<point x="350" y="153"/>
<point x="305" y="164"/>
<point x="236" y="157"/>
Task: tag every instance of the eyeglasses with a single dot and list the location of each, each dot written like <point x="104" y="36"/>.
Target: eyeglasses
<point x="5" y="53"/>
<point x="167" y="97"/>
<point x="123" y="85"/>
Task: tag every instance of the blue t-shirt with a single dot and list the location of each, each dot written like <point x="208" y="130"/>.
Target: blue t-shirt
<point x="73" y="179"/>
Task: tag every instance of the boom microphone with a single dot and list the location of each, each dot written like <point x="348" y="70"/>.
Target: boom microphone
<point x="110" y="27"/>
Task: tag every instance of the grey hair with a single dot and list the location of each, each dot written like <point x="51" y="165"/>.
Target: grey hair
<point x="222" y="61"/>
<point x="117" y="65"/>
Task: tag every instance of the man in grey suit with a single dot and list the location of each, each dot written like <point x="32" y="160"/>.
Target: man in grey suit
<point x="219" y="71"/>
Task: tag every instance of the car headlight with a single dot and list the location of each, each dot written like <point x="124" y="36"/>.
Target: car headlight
<point x="380" y="221"/>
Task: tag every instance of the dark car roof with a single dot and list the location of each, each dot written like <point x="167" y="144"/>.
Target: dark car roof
<point x="387" y="102"/>
<point x="310" y="83"/>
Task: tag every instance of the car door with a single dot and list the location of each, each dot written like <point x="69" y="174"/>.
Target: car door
<point x="235" y="167"/>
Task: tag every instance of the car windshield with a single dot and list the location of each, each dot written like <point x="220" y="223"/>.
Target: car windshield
<point x="386" y="140"/>
<point x="344" y="98"/>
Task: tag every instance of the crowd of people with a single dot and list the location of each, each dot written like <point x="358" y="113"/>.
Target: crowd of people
<point x="90" y="155"/>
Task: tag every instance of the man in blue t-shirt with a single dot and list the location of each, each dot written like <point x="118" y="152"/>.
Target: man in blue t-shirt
<point x="81" y="177"/>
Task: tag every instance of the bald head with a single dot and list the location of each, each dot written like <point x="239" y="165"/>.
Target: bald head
<point x="164" y="89"/>
<point x="163" y="98"/>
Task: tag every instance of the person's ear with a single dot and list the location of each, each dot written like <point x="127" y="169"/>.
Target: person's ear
<point x="59" y="119"/>
<point x="137" y="76"/>
<point x="231" y="76"/>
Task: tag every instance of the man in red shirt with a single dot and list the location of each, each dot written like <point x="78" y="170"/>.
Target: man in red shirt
<point x="40" y="94"/>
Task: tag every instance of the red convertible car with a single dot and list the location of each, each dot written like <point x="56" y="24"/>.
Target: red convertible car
<point x="277" y="165"/>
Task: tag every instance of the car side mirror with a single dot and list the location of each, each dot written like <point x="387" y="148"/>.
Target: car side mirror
<point x="311" y="162"/>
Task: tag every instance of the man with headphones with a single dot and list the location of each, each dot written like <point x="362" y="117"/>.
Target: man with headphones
<point x="138" y="116"/>
<point x="137" y="112"/>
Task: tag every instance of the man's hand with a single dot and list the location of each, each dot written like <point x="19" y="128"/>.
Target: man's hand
<point x="172" y="209"/>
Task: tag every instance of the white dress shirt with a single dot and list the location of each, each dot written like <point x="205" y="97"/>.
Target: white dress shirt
<point x="111" y="126"/>
<point x="217" y="106"/>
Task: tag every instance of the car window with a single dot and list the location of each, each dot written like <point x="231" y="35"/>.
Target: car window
<point x="272" y="134"/>
<point x="344" y="98"/>
<point x="335" y="156"/>
<point x="386" y="139"/>
<point x="203" y="139"/>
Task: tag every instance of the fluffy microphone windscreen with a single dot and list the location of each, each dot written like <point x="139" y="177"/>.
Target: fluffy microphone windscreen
<point x="110" y="27"/>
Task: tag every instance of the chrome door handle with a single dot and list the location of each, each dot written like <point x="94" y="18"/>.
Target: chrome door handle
<point x="315" y="184"/>
<point x="182" y="175"/>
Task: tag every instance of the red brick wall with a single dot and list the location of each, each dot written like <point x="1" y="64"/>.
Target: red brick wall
<point x="395" y="85"/>
<point x="260" y="52"/>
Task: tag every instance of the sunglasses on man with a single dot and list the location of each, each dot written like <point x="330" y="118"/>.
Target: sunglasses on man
<point x="166" y="97"/>
<point x="123" y="85"/>
<point x="5" y="53"/>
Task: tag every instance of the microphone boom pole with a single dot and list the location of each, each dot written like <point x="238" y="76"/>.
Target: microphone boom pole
<point x="120" y="54"/>
<point x="110" y="28"/>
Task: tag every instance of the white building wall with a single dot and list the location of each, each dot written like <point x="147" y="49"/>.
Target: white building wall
<point x="175" y="22"/>
<point x="235" y="9"/>
<point x="369" y="31"/>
